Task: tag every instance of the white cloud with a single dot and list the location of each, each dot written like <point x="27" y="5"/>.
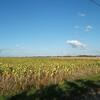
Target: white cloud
<point x="88" y="28"/>
<point x="82" y="14"/>
<point x="76" y="44"/>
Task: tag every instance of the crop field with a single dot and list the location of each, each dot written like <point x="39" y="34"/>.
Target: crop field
<point x="21" y="74"/>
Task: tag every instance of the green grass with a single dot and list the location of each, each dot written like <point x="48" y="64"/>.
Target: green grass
<point x="94" y="77"/>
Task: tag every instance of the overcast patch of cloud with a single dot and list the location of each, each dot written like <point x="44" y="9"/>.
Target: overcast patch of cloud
<point x="76" y="44"/>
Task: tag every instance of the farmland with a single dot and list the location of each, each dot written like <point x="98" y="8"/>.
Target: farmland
<point x="23" y="74"/>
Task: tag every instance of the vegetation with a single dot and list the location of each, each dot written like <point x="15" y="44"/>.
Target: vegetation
<point x="50" y="78"/>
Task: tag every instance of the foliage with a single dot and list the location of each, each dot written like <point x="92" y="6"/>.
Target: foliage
<point x="22" y="74"/>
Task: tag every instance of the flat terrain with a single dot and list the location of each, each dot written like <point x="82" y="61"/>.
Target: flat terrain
<point x="53" y="76"/>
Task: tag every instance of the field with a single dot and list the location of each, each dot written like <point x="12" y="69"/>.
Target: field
<point x="49" y="78"/>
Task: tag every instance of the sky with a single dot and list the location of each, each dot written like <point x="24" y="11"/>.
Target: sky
<point x="49" y="27"/>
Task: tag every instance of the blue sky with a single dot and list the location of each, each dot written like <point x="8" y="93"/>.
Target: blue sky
<point x="49" y="27"/>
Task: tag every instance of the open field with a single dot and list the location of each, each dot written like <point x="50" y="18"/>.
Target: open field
<point x="18" y="75"/>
